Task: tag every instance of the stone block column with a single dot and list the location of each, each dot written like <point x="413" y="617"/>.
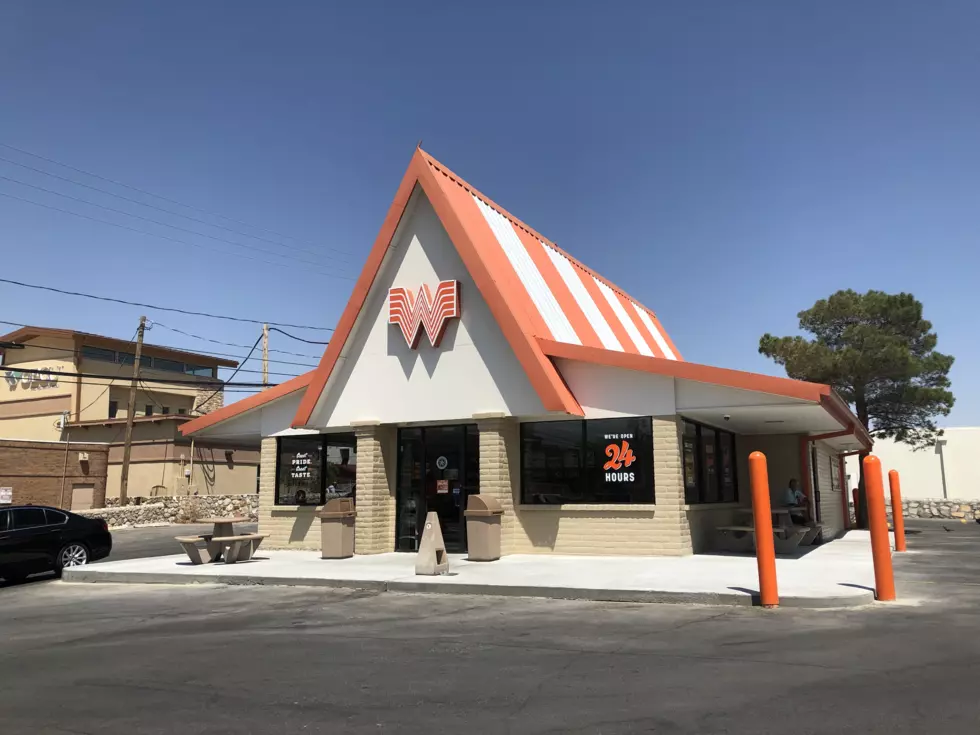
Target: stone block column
<point x="500" y="470"/>
<point x="267" y="485"/>
<point x="670" y="522"/>
<point x="374" y="529"/>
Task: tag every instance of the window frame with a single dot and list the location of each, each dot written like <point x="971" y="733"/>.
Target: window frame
<point x="323" y="441"/>
<point x="113" y="409"/>
<point x="100" y="354"/>
<point x="13" y="518"/>
<point x="701" y="481"/>
<point x="51" y="515"/>
<point x="583" y="491"/>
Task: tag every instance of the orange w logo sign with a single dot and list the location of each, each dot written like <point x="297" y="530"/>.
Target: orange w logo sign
<point x="429" y="311"/>
<point x="619" y="456"/>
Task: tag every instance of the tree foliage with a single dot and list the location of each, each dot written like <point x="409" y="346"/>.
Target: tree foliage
<point x="879" y="354"/>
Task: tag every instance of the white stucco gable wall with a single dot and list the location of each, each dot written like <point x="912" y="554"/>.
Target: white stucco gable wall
<point x="378" y="377"/>
<point x="270" y="419"/>
<point x="607" y="392"/>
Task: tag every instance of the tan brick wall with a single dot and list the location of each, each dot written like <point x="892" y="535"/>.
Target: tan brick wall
<point x="38" y="473"/>
<point x="500" y="471"/>
<point x="374" y="529"/>
<point x="287" y="526"/>
<point x="662" y="529"/>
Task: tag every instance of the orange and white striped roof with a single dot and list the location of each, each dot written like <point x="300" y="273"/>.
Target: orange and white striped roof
<point x="569" y="302"/>
<point x="540" y="296"/>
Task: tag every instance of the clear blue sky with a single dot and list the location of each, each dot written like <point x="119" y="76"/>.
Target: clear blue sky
<point x="726" y="163"/>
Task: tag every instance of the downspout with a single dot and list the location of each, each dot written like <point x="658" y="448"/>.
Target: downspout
<point x="843" y="492"/>
<point x="847" y="492"/>
<point x="805" y="476"/>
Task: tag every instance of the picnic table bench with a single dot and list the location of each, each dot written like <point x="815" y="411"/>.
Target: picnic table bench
<point x="787" y="535"/>
<point x="222" y="543"/>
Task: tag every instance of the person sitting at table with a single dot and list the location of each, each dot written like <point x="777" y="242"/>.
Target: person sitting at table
<point x="793" y="496"/>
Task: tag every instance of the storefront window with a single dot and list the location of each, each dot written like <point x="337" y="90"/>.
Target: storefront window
<point x="340" y="459"/>
<point x="600" y="461"/>
<point x="710" y="473"/>
<point x="314" y="469"/>
<point x="690" y="447"/>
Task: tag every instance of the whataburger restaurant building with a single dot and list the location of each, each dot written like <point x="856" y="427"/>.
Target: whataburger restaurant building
<point x="475" y="356"/>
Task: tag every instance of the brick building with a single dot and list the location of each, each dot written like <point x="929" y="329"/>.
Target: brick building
<point x="62" y="386"/>
<point x="475" y="356"/>
<point x="60" y="474"/>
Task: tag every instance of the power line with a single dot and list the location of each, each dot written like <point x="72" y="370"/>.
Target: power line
<point x="237" y="369"/>
<point x="203" y="382"/>
<point x="185" y="349"/>
<point x="162" y="308"/>
<point x="171" y="201"/>
<point x="161" y="237"/>
<point x="162" y="209"/>
<point x="234" y="344"/>
<point x="132" y="339"/>
<point x="167" y="224"/>
<point x="298" y="339"/>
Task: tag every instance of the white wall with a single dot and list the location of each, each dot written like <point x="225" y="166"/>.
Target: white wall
<point x="607" y="392"/>
<point x="270" y="419"/>
<point x="920" y="471"/>
<point x="831" y="502"/>
<point x="380" y="378"/>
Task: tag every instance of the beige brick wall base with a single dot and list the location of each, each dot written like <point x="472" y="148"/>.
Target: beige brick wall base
<point x="662" y="529"/>
<point x="374" y="529"/>
<point x="287" y="526"/>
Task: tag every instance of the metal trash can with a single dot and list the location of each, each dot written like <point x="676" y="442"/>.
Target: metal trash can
<point x="483" y="516"/>
<point x="337" y="529"/>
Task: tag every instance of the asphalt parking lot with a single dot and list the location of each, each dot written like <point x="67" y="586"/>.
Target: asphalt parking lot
<point x="206" y="659"/>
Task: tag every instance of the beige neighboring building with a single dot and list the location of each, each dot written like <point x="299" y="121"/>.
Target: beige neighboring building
<point x="44" y="398"/>
<point x="476" y="356"/>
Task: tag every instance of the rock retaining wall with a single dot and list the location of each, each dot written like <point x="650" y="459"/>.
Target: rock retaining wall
<point x="179" y="509"/>
<point x="933" y="508"/>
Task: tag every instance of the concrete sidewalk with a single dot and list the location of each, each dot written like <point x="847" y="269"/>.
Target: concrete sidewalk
<point x="838" y="574"/>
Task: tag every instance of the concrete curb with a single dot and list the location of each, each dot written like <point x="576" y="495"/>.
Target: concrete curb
<point x="92" y="574"/>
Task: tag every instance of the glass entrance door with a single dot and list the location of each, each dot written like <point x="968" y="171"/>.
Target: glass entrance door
<point x="438" y="468"/>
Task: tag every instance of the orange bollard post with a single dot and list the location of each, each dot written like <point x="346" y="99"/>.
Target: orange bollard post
<point x="765" y="549"/>
<point x="881" y="551"/>
<point x="898" y="520"/>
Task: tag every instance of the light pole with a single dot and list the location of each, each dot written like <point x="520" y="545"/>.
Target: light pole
<point x="940" y="443"/>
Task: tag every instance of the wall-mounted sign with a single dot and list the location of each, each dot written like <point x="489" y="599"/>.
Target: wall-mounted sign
<point x="6" y="495"/>
<point x="442" y="486"/>
<point x="43" y="378"/>
<point x="441" y="462"/>
<point x="621" y="458"/>
<point x="301" y="467"/>
<point x="428" y="310"/>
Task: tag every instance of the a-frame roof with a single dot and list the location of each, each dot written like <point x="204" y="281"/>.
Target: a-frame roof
<point x="535" y="290"/>
<point x="547" y="304"/>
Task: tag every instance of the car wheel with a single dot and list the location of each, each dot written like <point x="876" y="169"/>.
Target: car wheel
<point x="73" y="554"/>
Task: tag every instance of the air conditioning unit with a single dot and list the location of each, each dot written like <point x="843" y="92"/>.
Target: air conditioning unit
<point x="83" y="456"/>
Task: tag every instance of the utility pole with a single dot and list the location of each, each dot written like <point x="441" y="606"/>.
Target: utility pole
<point x="265" y="356"/>
<point x="130" y="414"/>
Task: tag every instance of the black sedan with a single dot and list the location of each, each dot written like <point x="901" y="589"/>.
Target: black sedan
<point x="36" y="538"/>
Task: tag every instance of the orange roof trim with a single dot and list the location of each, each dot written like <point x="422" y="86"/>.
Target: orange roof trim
<point x="300" y="382"/>
<point x="817" y="393"/>
<point x="534" y="289"/>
